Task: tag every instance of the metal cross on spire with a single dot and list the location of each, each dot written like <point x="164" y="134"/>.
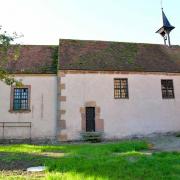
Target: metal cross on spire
<point x="161" y="4"/>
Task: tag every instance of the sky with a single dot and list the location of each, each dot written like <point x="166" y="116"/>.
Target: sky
<point x="46" y="21"/>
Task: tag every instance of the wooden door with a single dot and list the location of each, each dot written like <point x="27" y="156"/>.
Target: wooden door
<point x="90" y="119"/>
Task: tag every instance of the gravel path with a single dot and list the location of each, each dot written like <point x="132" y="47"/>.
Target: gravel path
<point x="165" y="143"/>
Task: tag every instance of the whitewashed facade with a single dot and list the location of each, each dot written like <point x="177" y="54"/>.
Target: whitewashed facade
<point x="42" y="114"/>
<point x="143" y="113"/>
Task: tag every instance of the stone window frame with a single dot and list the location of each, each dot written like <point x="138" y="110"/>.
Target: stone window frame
<point x="99" y="123"/>
<point x="12" y="99"/>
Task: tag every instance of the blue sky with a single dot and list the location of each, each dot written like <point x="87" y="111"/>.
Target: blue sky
<point x="45" y="21"/>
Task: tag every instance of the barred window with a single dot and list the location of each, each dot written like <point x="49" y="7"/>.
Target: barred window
<point x="121" y="88"/>
<point x="167" y="89"/>
<point x="20" y="99"/>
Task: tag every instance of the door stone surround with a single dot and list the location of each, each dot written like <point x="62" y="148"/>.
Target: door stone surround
<point x="99" y="123"/>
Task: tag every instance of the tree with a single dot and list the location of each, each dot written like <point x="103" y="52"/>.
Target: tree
<point x="5" y="44"/>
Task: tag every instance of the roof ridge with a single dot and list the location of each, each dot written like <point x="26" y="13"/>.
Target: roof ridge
<point x="107" y="41"/>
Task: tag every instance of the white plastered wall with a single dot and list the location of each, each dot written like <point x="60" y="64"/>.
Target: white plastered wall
<point x="145" y="111"/>
<point x="43" y="108"/>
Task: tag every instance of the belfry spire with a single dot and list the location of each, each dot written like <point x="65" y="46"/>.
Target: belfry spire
<point x="165" y="30"/>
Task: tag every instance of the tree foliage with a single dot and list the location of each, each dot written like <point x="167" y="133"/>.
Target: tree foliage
<point x="6" y="41"/>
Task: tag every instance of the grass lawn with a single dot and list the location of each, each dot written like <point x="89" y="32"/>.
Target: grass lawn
<point x="119" y="160"/>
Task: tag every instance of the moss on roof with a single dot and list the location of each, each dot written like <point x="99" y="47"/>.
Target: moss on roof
<point x="103" y="55"/>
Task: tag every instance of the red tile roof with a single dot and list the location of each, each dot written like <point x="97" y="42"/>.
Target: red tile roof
<point x="93" y="55"/>
<point x="32" y="59"/>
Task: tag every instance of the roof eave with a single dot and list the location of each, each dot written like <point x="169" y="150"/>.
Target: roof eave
<point x="165" y="28"/>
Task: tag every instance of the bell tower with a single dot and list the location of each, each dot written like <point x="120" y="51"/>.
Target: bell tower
<point x="165" y="30"/>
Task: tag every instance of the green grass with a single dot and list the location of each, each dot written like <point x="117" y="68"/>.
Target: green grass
<point x="120" y="160"/>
